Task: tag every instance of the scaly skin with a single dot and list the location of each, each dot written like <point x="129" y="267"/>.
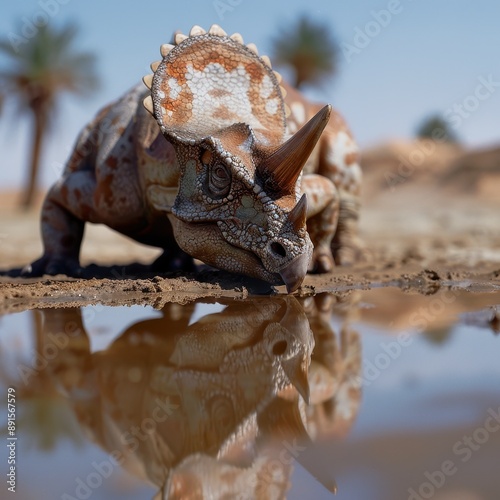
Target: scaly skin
<point x="203" y="412"/>
<point x="194" y="395"/>
<point x="214" y="174"/>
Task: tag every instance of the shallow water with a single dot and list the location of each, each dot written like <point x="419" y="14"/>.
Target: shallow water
<point x="403" y="391"/>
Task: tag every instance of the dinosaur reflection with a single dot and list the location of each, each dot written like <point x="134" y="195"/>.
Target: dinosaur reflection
<point x="217" y="408"/>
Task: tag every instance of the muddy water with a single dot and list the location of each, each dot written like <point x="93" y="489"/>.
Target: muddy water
<point x="380" y="394"/>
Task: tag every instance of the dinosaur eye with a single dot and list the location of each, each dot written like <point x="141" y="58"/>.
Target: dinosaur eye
<point x="219" y="180"/>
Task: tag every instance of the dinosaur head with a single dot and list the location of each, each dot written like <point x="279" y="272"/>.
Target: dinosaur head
<point x="238" y="205"/>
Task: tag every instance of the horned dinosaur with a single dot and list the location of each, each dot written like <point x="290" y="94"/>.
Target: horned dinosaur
<point x="211" y="167"/>
<point x="203" y="412"/>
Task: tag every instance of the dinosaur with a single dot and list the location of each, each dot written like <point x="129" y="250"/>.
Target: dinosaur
<point x="210" y="167"/>
<point x="203" y="412"/>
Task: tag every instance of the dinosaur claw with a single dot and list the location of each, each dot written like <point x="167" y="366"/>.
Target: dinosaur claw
<point x="52" y="266"/>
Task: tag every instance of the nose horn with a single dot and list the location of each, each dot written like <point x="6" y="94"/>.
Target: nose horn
<point x="296" y="371"/>
<point x="298" y="215"/>
<point x="286" y="163"/>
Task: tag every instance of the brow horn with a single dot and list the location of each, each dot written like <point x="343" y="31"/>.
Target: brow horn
<point x="286" y="163"/>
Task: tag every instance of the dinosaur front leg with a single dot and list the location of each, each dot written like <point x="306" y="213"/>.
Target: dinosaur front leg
<point x="62" y="224"/>
<point x="322" y="219"/>
<point x="347" y="246"/>
<point x="340" y="162"/>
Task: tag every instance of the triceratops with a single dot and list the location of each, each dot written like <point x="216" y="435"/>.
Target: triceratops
<point x="219" y="174"/>
<point x="207" y="406"/>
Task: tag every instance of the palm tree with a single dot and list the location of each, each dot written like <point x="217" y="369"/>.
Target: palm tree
<point x="309" y="48"/>
<point x="38" y="72"/>
<point x="435" y="127"/>
<point x="44" y="416"/>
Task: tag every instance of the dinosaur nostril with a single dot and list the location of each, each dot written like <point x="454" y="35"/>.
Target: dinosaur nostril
<point x="278" y="249"/>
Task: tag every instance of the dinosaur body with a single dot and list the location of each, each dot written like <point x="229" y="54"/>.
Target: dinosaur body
<point x="204" y="411"/>
<point x="211" y="169"/>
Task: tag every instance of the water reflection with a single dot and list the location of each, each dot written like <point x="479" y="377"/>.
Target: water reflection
<point x="208" y="407"/>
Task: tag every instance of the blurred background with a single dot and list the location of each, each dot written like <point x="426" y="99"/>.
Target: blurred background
<point x="396" y="69"/>
<point x="419" y="84"/>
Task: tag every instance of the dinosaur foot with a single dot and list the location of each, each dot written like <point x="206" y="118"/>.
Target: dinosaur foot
<point x="322" y="261"/>
<point x="350" y="251"/>
<point x="47" y="265"/>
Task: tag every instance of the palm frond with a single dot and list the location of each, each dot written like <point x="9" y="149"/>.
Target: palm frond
<point x="309" y="49"/>
<point x="38" y="71"/>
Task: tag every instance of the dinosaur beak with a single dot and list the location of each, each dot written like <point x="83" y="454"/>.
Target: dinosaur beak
<point x="294" y="272"/>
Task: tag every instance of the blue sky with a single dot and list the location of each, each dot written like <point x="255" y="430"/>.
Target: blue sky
<point x="398" y="66"/>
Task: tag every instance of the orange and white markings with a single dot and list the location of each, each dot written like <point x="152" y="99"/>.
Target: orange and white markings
<point x="266" y="90"/>
<point x="338" y="154"/>
<point x="211" y="97"/>
<point x="174" y="87"/>
<point x="298" y="112"/>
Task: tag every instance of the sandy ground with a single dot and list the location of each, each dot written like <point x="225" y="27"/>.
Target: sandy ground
<point x="419" y="235"/>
